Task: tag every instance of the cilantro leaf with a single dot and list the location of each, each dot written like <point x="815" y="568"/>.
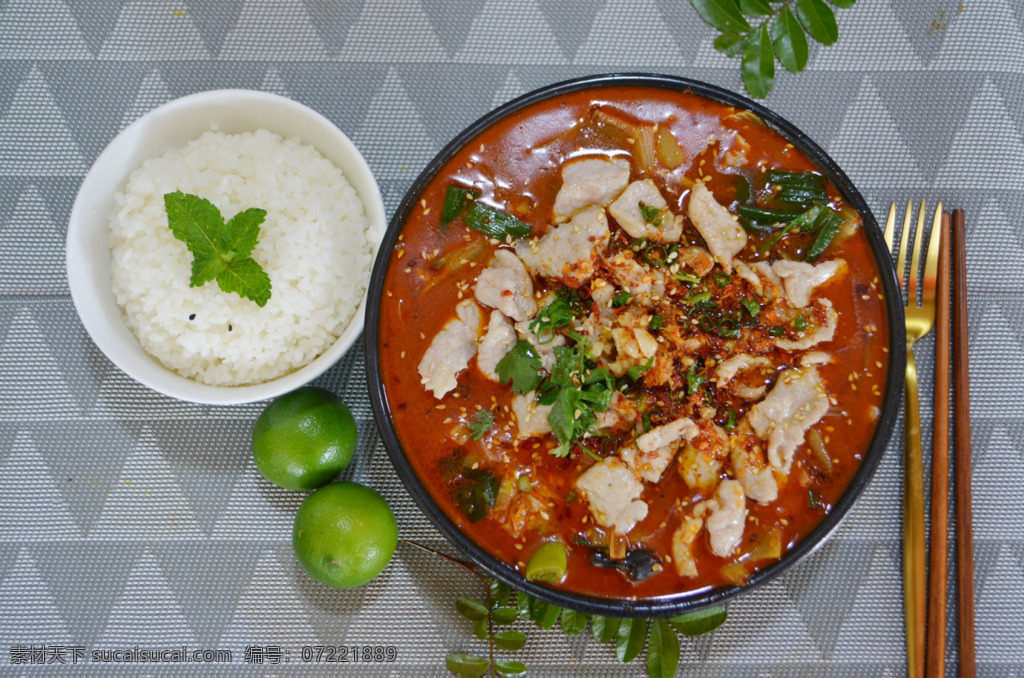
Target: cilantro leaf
<point x="650" y="214"/>
<point x="220" y="251"/>
<point x="522" y="367"/>
<point x="480" y="424"/>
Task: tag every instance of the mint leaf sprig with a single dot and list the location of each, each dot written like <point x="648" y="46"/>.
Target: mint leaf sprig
<point x="221" y="251"/>
<point x="781" y="34"/>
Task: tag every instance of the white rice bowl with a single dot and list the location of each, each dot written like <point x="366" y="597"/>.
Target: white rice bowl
<point x="313" y="244"/>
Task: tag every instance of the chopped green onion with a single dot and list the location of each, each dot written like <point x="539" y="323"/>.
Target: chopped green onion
<point x="621" y="299"/>
<point x="693" y="380"/>
<point x="800" y="323"/>
<point x="744" y="192"/>
<point x="650" y="214"/>
<point x="688" y="278"/>
<point x="657" y="322"/>
<point x="523" y="483"/>
<point x="495" y="223"/>
<point x="657" y="254"/>
<point x="455" y="201"/>
<point x="776" y="331"/>
<point x="798" y="188"/>
<point x="825" y="236"/>
<point x="721" y="278"/>
<point x="762" y="216"/>
<point x="728" y="328"/>
<point x="698" y="298"/>
<point x="753" y="308"/>
<point x="730" y="419"/>
<point x="801" y="222"/>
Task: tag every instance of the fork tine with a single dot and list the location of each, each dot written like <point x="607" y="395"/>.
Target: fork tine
<point x="931" y="262"/>
<point x="915" y="262"/>
<point x="901" y="262"/>
<point x="890" y="226"/>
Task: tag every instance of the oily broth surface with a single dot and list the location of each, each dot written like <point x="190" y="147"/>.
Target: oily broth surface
<point x="516" y="165"/>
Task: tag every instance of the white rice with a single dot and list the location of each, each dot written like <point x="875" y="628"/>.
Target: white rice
<point x="313" y="244"/>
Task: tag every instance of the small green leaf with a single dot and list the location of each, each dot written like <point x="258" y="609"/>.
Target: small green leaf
<point x="629" y="639"/>
<point x="789" y="41"/>
<point x="725" y="15"/>
<point x="505" y="616"/>
<point x="510" y="669"/>
<point x="524" y="604"/>
<point x="758" y="63"/>
<point x="730" y="44"/>
<point x="499" y="592"/>
<point x="466" y="665"/>
<point x="509" y="641"/>
<point x="845" y="4"/>
<point x="242" y="233"/>
<point x="522" y="367"/>
<point x="604" y="629"/>
<point x="755" y="7"/>
<point x="662" y="650"/>
<point x="818" y="20"/>
<point x="473" y="610"/>
<point x="573" y="622"/>
<point x="700" y="621"/>
<point x="248" y="279"/>
<point x="480" y="424"/>
<point x="544" y="614"/>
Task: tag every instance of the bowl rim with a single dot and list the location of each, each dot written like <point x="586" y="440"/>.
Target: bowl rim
<point x="670" y="604"/>
<point x="91" y="293"/>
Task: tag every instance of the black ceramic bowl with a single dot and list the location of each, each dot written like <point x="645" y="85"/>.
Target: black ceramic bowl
<point x="675" y="603"/>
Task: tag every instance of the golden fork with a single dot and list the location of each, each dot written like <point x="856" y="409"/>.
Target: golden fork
<point x="920" y="318"/>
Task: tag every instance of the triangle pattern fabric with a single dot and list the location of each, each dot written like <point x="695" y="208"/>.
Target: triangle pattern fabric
<point x="870" y="37"/>
<point x="614" y="37"/>
<point x="83" y="477"/>
<point x="224" y="569"/>
<point x="868" y="144"/>
<point x="873" y="628"/>
<point x="996" y="373"/>
<point x="1002" y="465"/>
<point x="206" y="460"/>
<point x="147" y="613"/>
<point x="256" y="38"/>
<point x="389" y="33"/>
<point x="270" y="611"/>
<point x="79" y="361"/>
<point x="770" y="609"/>
<point x="1002" y="598"/>
<point x="95" y="19"/>
<point x="33" y="386"/>
<point x="330" y="89"/>
<point x="152" y="92"/>
<point x="332" y="20"/>
<point x="20" y="26"/>
<point x="509" y="90"/>
<point x="1001" y="49"/>
<point x="170" y="33"/>
<point x="989" y="142"/>
<point x="95" y="125"/>
<point x="38" y="621"/>
<point x="927" y="29"/>
<point x="571" y="23"/>
<point x="998" y="248"/>
<point x="146" y="501"/>
<point x="33" y="247"/>
<point x="121" y="396"/>
<point x="451" y="22"/>
<point x="273" y="83"/>
<point x="86" y="580"/>
<point x="214" y="20"/>
<point x="535" y="41"/>
<point x="31" y="506"/>
<point x="392" y="109"/>
<point x="252" y="494"/>
<point x="34" y="136"/>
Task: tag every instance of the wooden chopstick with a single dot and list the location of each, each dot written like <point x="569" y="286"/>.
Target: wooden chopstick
<point x="939" y="546"/>
<point x="962" y="394"/>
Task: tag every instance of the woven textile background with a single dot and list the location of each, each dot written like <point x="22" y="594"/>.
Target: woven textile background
<point x="127" y="519"/>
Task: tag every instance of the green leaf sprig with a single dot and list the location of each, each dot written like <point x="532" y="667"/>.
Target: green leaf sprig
<point x="780" y="34"/>
<point x="503" y="607"/>
<point x="221" y="250"/>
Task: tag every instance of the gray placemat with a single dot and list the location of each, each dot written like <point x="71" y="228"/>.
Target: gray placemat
<point x="127" y="519"/>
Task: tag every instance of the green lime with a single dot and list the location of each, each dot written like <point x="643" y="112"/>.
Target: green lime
<point x="344" y="535"/>
<point x="304" y="439"/>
